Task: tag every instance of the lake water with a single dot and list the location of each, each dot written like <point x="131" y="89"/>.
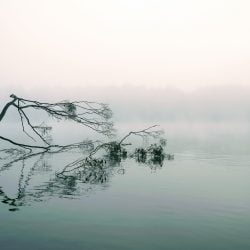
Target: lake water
<point x="199" y="200"/>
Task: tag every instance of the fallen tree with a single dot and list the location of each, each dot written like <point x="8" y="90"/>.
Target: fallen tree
<point x="97" y="159"/>
<point x="93" y="115"/>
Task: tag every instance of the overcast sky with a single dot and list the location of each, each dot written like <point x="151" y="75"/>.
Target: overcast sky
<point x="181" y="43"/>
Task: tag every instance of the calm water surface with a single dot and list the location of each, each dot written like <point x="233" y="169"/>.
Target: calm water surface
<point x="201" y="200"/>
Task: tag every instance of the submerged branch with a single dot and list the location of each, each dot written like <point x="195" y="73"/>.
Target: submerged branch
<point x="96" y="164"/>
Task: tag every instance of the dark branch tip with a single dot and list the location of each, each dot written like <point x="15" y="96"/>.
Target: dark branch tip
<point x="13" y="96"/>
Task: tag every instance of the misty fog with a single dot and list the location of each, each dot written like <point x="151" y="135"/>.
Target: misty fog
<point x="138" y="103"/>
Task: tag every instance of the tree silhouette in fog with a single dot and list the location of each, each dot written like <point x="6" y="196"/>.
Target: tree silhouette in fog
<point x="98" y="160"/>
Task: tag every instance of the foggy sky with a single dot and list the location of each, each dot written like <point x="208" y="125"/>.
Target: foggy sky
<point x="154" y="43"/>
<point x="151" y="59"/>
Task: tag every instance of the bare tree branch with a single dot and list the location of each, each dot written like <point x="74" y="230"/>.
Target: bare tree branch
<point x="93" y="115"/>
<point x="143" y="133"/>
<point x="88" y="168"/>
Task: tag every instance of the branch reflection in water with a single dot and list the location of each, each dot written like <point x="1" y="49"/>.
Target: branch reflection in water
<point x="39" y="179"/>
<point x="99" y="160"/>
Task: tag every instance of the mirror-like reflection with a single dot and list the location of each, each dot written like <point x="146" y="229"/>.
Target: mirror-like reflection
<point x="98" y="162"/>
<point x="38" y="179"/>
<point x="202" y="195"/>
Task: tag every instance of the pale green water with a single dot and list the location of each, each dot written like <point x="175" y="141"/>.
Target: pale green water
<point x="201" y="200"/>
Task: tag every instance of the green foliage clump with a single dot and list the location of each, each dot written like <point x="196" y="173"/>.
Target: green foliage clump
<point x="116" y="151"/>
<point x="153" y="154"/>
